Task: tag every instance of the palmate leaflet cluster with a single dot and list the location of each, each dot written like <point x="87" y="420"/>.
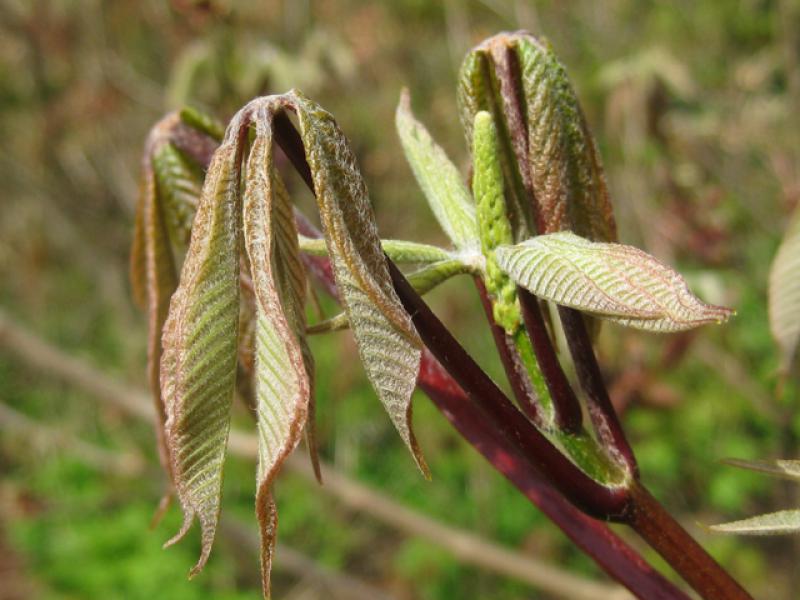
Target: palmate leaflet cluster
<point x="239" y="303"/>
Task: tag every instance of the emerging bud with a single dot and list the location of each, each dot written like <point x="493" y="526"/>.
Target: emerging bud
<point x="554" y="179"/>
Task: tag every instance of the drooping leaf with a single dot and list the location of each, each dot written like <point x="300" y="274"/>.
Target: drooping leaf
<point x="439" y="179"/>
<point x="283" y="362"/>
<point x="153" y="264"/>
<point x="198" y="366"/>
<point x="566" y="173"/>
<point x="202" y="122"/>
<point x="776" y="523"/>
<point x="613" y="281"/>
<point x="784" y="295"/>
<point x="179" y="185"/>
<point x="161" y="279"/>
<point x="388" y="344"/>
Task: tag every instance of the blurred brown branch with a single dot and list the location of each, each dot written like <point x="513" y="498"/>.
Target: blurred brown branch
<point x="326" y="582"/>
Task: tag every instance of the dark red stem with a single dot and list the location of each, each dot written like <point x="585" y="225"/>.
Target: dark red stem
<point x="610" y="552"/>
<point x="665" y="535"/>
<point x="601" y="411"/>
<point x="507" y="429"/>
<point x="516" y="372"/>
<point x="567" y="406"/>
<point x="594" y="498"/>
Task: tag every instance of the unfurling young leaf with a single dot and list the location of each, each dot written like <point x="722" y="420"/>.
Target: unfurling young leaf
<point x="567" y="176"/>
<point x="439" y="179"/>
<point x="283" y="369"/>
<point x="784" y="295"/>
<point x="613" y="281"/>
<point x="199" y="362"/>
<point x="387" y="341"/>
<point x="493" y="223"/>
<point x="198" y="366"/>
<point x="553" y="175"/>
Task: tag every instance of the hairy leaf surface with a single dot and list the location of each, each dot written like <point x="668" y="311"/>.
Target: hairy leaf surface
<point x="480" y="89"/>
<point x="776" y="523"/>
<point x="439" y="179"/>
<point x="179" y="186"/>
<point x="566" y="173"/>
<point x="493" y="222"/>
<point x="153" y="269"/>
<point x="161" y="279"/>
<point x="550" y="164"/>
<point x="388" y="344"/>
<point x="198" y="367"/>
<point x="283" y="362"/>
<point x="784" y="295"/>
<point x="613" y="281"/>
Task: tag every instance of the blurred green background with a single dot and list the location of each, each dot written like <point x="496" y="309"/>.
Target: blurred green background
<point x="694" y="104"/>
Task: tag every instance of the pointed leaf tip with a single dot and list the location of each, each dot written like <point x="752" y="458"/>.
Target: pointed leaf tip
<point x="613" y="281"/>
<point x="781" y="522"/>
<point x="786" y="469"/>
<point x="198" y="365"/>
<point x="283" y="366"/>
<point x="388" y="344"/>
<point x="440" y="180"/>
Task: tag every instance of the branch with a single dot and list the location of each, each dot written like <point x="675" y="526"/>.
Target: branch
<point x="568" y="409"/>
<point x="605" y="419"/>
<point x="340" y="585"/>
<point x="330" y="583"/>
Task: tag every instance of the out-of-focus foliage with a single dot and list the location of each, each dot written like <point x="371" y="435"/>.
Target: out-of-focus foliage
<point x="784" y="295"/>
<point x="774" y="523"/>
<point x="693" y="107"/>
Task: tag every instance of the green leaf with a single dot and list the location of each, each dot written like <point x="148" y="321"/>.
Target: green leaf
<point x="613" y="281"/>
<point x="202" y="122"/>
<point x="198" y="366"/>
<point x="777" y="523"/>
<point x="283" y="368"/>
<point x="155" y="279"/>
<point x="786" y="469"/>
<point x="400" y="251"/>
<point x="439" y="179"/>
<point x="179" y="187"/>
<point x="388" y="344"/>
<point x="784" y="295"/>
<point x="422" y="280"/>
<point x="479" y="89"/>
<point x="493" y="222"/>
<point x="566" y="172"/>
